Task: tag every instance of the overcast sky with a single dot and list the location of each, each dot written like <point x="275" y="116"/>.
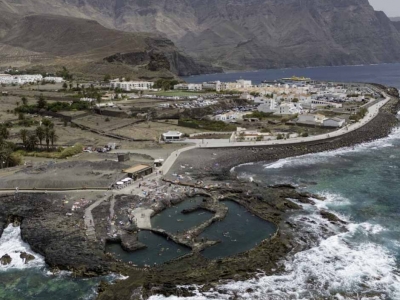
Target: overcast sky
<point x="390" y="7"/>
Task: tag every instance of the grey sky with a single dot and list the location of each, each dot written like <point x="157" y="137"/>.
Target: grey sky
<point x="390" y="7"/>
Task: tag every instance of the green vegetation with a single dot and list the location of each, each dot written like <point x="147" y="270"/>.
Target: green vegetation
<point x="60" y="154"/>
<point x="206" y="125"/>
<point x="177" y="93"/>
<point x="258" y="114"/>
<point x="279" y="137"/>
<point x="359" y="115"/>
<point x="165" y="84"/>
<point x="64" y="73"/>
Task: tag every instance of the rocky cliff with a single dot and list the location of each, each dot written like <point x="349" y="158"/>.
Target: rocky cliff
<point x="82" y="44"/>
<point x="247" y="33"/>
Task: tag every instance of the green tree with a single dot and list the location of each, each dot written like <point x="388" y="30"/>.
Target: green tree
<point x="24" y="101"/>
<point x="47" y="123"/>
<point x="4" y="133"/>
<point x="53" y="137"/>
<point x="40" y="133"/>
<point x="107" y="78"/>
<point x="31" y="141"/>
<point x="65" y="85"/>
<point x="23" y="134"/>
<point x="41" y="103"/>
<point x="5" y="153"/>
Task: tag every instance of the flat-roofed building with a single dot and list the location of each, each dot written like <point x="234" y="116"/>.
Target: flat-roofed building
<point x="138" y="171"/>
<point x="172" y="136"/>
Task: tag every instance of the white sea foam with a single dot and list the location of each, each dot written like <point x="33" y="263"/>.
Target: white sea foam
<point x="315" y="158"/>
<point x="12" y="244"/>
<point x="340" y="266"/>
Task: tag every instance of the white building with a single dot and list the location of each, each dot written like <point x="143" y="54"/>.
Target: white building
<point x="310" y="119"/>
<point x="53" y="79"/>
<point x="269" y="105"/>
<point x="20" y="79"/>
<point x="172" y="136"/>
<point x="188" y="87"/>
<point x="334" y="122"/>
<point x="289" y="109"/>
<point x="212" y="86"/>
<point x="132" y="85"/>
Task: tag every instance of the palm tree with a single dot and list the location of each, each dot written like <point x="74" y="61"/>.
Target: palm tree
<point x="5" y="153"/>
<point x="53" y="137"/>
<point x="23" y="134"/>
<point x="47" y="137"/>
<point x="40" y="134"/>
<point x="24" y="101"/>
<point x="4" y="133"/>
<point x="31" y="141"/>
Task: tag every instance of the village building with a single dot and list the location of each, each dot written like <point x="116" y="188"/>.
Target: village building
<point x="172" y="136"/>
<point x="132" y="85"/>
<point x="138" y="171"/>
<point x="212" y="86"/>
<point x="310" y="119"/>
<point x="334" y="122"/>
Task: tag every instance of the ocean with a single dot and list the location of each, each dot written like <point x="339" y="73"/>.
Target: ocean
<point x="361" y="185"/>
<point x="388" y="74"/>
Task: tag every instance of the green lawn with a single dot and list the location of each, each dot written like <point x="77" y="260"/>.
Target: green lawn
<point x="177" y="93"/>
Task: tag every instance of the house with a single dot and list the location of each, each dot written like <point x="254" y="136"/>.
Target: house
<point x="172" y="136"/>
<point x="334" y="122"/>
<point x="288" y="109"/>
<point x="268" y="106"/>
<point x="138" y="171"/>
<point x="212" y="86"/>
<point x="309" y="119"/>
<point x="132" y="85"/>
<point x="53" y="79"/>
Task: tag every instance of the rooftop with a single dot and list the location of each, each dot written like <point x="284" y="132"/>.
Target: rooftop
<point x="136" y="169"/>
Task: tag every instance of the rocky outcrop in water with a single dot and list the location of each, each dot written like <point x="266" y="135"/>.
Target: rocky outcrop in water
<point x="26" y="257"/>
<point x="5" y="259"/>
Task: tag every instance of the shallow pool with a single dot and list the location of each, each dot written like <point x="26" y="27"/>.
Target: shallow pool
<point x="173" y="220"/>
<point x="159" y="250"/>
<point x="238" y="232"/>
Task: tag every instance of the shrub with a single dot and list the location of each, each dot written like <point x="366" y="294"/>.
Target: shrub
<point x="304" y="134"/>
<point x="279" y="137"/>
<point x="107" y="120"/>
<point x="71" y="151"/>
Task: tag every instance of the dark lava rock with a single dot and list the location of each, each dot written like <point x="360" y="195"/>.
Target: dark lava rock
<point x="26" y="257"/>
<point x="130" y="243"/>
<point x="331" y="217"/>
<point x="5" y="259"/>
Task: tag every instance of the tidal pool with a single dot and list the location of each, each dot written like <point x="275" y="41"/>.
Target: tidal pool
<point x="172" y="220"/>
<point x="238" y="232"/>
<point x="159" y="250"/>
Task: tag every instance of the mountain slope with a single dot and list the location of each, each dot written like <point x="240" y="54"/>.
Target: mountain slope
<point x="246" y="33"/>
<point x="79" y="42"/>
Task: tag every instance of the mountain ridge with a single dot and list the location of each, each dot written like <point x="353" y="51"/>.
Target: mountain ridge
<point x="247" y="34"/>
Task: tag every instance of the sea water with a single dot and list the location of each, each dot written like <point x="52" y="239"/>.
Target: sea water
<point x="362" y="186"/>
<point x="20" y="281"/>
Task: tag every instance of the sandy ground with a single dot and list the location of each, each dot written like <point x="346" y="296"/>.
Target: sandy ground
<point x="66" y="174"/>
<point x="153" y="130"/>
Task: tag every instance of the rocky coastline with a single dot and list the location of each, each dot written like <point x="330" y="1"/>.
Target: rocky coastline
<point x="62" y="240"/>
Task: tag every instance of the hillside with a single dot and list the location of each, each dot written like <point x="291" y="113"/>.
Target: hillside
<point x="239" y="34"/>
<point x="85" y="45"/>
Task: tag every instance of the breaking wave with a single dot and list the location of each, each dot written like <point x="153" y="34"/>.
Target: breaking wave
<point x="342" y="266"/>
<point x="314" y="158"/>
<point x="12" y="244"/>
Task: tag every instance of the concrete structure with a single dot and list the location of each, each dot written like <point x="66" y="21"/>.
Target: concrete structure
<point x="188" y="87"/>
<point x="288" y="109"/>
<point x="53" y="79"/>
<point x="139" y="171"/>
<point x="123" y="157"/>
<point x="20" y="79"/>
<point x="172" y="136"/>
<point x="132" y="85"/>
<point x="309" y="119"/>
<point x="268" y="106"/>
<point x="334" y="122"/>
<point x="212" y="86"/>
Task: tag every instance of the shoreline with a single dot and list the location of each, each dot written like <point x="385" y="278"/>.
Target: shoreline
<point x="212" y="167"/>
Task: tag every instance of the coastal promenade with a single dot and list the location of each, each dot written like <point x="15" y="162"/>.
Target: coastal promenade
<point x="373" y="111"/>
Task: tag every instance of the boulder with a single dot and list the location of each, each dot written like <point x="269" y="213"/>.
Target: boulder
<point x="5" y="259"/>
<point x="26" y="257"/>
